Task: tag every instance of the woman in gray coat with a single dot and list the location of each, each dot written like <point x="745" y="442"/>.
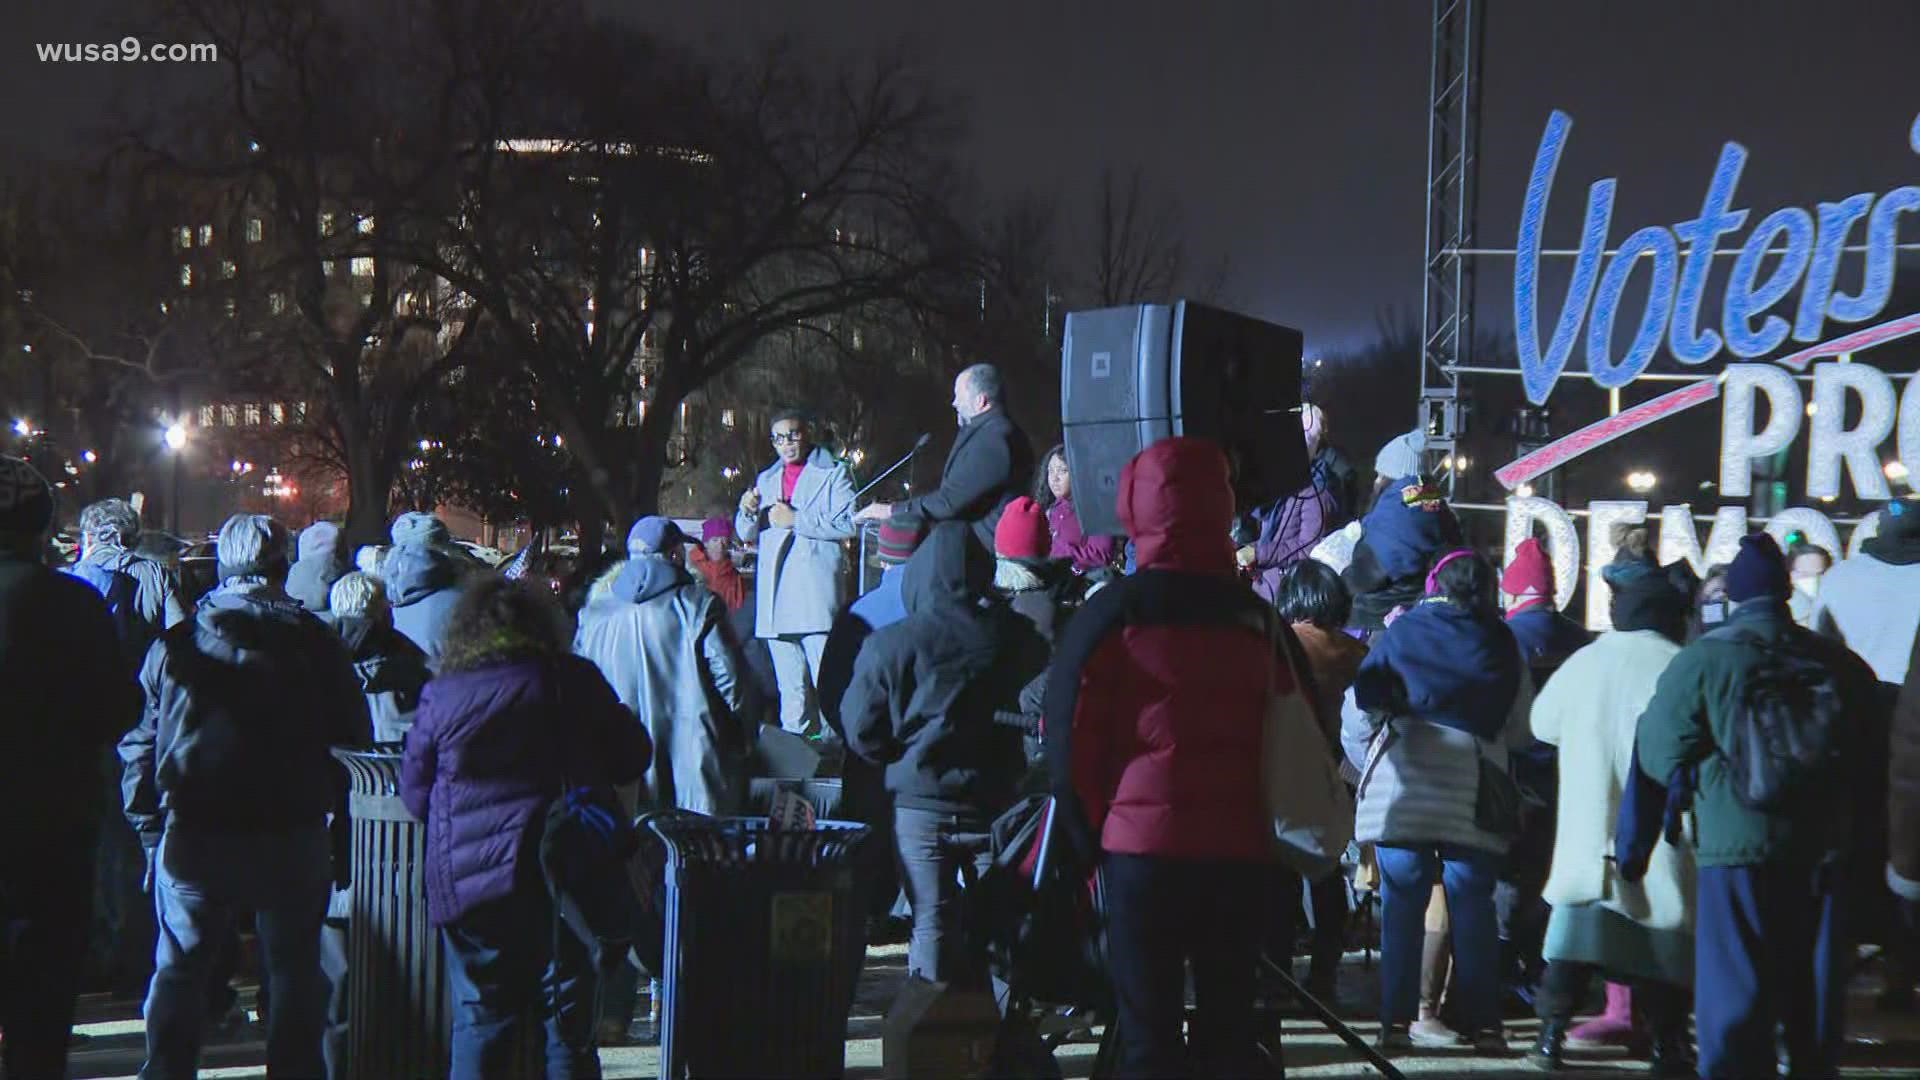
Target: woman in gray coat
<point x="798" y="511"/>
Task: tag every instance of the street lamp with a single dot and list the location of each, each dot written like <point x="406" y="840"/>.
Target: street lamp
<point x="1642" y="482"/>
<point x="22" y="427"/>
<point x="175" y="437"/>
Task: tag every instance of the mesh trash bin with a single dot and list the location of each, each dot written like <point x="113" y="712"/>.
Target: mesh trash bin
<point x="763" y="947"/>
<point x="397" y="1012"/>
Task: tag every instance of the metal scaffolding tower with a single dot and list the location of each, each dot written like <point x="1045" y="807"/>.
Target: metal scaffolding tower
<point x="1453" y="151"/>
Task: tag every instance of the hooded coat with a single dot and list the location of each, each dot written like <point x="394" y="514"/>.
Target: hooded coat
<point x="1853" y="606"/>
<point x="491" y="748"/>
<point x="1290" y="528"/>
<point x="1161" y="682"/>
<point x="797" y="572"/>
<point x="1441" y="689"/>
<point x="322" y="561"/>
<point x="423" y="587"/>
<point x="156" y="598"/>
<point x="244" y="702"/>
<point x="659" y="639"/>
<point x="1591" y="712"/>
<point x="1698" y="700"/>
<point x="392" y="672"/>
<point x="57" y="727"/>
<point x="925" y="689"/>
<point x="1401" y="536"/>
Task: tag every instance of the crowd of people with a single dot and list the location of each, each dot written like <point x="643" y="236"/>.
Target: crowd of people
<point x="1705" y="806"/>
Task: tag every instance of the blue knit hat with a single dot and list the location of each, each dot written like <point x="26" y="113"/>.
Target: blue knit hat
<point x="1759" y="570"/>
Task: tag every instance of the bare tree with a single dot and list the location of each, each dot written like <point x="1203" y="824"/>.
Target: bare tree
<point x="325" y="131"/>
<point x="1138" y="255"/>
<point x="648" y="222"/>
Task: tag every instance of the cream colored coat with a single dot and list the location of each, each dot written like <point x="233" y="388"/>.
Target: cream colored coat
<point x="1590" y="709"/>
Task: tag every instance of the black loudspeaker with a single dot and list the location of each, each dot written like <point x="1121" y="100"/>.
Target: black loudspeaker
<point x="1132" y="376"/>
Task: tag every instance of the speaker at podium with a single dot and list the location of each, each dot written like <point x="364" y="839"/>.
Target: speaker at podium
<point x="1131" y="376"/>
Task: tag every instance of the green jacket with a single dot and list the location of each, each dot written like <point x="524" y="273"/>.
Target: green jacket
<point x="1688" y="719"/>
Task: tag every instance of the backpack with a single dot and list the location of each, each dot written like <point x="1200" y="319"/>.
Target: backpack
<point x="1785" y="736"/>
<point x="121" y="591"/>
<point x="123" y="604"/>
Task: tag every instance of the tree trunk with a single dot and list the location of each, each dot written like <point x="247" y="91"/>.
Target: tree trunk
<point x="369" y="487"/>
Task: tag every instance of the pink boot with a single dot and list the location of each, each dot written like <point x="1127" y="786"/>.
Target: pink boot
<point x="1614" y="1027"/>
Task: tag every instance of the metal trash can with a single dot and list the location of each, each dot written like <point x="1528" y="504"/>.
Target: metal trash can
<point x="397" y="1012"/>
<point x="764" y="943"/>
<point x="823" y="794"/>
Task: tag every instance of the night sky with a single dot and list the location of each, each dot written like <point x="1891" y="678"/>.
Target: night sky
<point x="1293" y="135"/>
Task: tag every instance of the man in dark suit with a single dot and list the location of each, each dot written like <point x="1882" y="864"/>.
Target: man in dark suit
<point x="990" y="465"/>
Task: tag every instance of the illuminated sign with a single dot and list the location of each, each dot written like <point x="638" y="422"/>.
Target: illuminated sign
<point x="1808" y="243"/>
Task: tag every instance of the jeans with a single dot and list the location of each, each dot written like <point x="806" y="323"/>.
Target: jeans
<point x="1163" y="914"/>
<point x="796" y="664"/>
<point x="933" y="847"/>
<point x="201" y="881"/>
<point x="46" y="904"/>
<point x="502" y="966"/>
<point x="1768" y="950"/>
<point x="1406" y="887"/>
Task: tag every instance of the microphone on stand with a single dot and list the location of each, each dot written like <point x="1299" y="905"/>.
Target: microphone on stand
<point x="918" y="445"/>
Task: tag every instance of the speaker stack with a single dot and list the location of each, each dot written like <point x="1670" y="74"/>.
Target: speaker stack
<point x="1131" y="376"/>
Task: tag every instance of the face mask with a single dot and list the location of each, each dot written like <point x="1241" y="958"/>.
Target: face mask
<point x="1809" y="584"/>
<point x="1713" y="612"/>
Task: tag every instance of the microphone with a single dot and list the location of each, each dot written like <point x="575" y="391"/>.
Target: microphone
<point x="918" y="445"/>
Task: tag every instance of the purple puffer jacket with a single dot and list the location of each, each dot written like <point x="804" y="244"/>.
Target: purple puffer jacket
<point x="486" y="754"/>
<point x="1288" y="531"/>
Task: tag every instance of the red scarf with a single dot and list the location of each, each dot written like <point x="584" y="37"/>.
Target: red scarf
<point x="722" y="577"/>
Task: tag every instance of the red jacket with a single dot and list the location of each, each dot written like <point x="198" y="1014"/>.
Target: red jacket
<point x="1160" y="682"/>
<point x="722" y="577"/>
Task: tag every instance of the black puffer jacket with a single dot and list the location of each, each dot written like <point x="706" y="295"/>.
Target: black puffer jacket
<point x="243" y="703"/>
<point x="925" y="689"/>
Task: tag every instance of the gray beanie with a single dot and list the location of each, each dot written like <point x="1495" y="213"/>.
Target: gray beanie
<point x="415" y="527"/>
<point x="251" y="545"/>
<point x="26" y="502"/>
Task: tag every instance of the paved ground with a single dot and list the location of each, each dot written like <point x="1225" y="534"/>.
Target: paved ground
<point x="1880" y="1045"/>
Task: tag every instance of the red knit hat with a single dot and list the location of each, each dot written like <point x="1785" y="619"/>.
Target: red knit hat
<point x="1530" y="574"/>
<point x="1022" y="532"/>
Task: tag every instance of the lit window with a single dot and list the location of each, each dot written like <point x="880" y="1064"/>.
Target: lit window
<point x="857" y="339"/>
<point x="276" y="303"/>
<point x="838" y="236"/>
<point x="300" y="410"/>
<point x="362" y="225"/>
<point x="233" y="307"/>
<point x="253" y="414"/>
<point x="184" y="237"/>
<point x="229" y="416"/>
<point x="186" y="277"/>
<point x="277" y="413"/>
<point x="362" y="266"/>
<point x="726" y="419"/>
<point x="206" y="416"/>
<point x="255" y="230"/>
<point x="326" y="223"/>
<point x="206" y="235"/>
<point x="227" y="268"/>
